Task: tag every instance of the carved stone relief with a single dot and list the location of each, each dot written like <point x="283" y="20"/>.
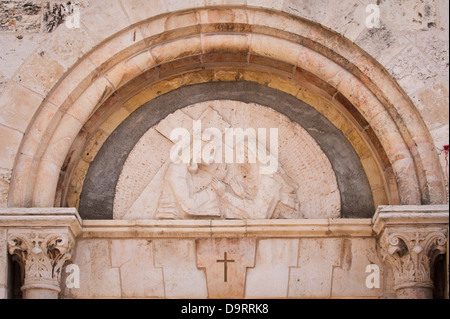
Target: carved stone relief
<point x="153" y="186"/>
<point x="412" y="254"/>
<point x="42" y="256"/>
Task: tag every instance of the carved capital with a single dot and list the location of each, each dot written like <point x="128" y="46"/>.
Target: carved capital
<point x="42" y="255"/>
<point x="412" y="254"/>
<point x="410" y="240"/>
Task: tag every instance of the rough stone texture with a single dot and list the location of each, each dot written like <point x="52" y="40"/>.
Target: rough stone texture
<point x="99" y="197"/>
<point x="69" y="45"/>
<point x="19" y="15"/>
<point x="435" y="46"/>
<point x="382" y="43"/>
<point x="410" y="74"/>
<point x="442" y="8"/>
<point x="347" y="17"/>
<point x="56" y="13"/>
<point x="409" y="15"/>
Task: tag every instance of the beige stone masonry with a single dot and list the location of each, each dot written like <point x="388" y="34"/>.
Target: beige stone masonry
<point x="168" y="259"/>
<point x="372" y="90"/>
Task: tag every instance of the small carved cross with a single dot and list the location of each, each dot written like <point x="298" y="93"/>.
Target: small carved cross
<point x="36" y="239"/>
<point x="225" y="262"/>
<point x="417" y="239"/>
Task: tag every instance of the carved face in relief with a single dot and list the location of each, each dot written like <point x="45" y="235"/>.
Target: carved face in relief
<point x="152" y="186"/>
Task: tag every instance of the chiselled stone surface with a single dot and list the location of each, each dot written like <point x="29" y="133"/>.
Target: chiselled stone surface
<point x="225" y="262"/>
<point x="42" y="72"/>
<point x="411" y="75"/>
<point x="15" y="49"/>
<point x="410" y="15"/>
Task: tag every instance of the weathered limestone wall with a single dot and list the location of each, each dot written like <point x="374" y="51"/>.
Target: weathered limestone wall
<point x="412" y="43"/>
<point x="261" y="268"/>
<point x="63" y="256"/>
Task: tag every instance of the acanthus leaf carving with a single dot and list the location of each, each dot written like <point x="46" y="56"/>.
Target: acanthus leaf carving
<point x="412" y="255"/>
<point x="42" y="256"/>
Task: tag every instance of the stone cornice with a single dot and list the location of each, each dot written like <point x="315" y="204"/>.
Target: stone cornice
<point x="52" y="218"/>
<point x="232" y="228"/>
<point x="386" y="216"/>
<point x="410" y="215"/>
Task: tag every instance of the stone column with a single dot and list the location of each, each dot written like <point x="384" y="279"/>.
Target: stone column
<point x="410" y="238"/>
<point x="40" y="240"/>
<point x="42" y="255"/>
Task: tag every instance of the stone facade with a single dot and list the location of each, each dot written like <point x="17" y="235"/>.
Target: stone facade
<point x="186" y="259"/>
<point x="89" y="95"/>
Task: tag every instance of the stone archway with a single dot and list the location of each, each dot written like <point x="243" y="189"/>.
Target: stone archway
<point x="101" y="181"/>
<point x="169" y="52"/>
<point x="195" y="39"/>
